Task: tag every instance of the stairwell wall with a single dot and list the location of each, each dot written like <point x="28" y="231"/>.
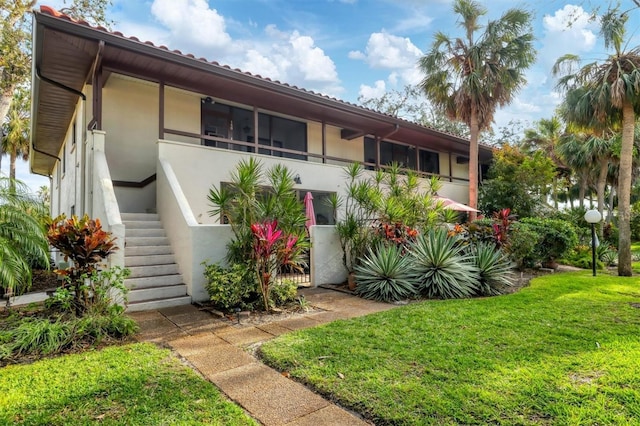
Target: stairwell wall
<point x="192" y="243"/>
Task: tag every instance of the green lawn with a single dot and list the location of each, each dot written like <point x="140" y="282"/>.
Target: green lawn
<point x="126" y="385"/>
<point x="565" y="350"/>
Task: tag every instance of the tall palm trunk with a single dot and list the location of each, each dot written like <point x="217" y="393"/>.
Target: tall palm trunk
<point x="601" y="186"/>
<point x="624" y="190"/>
<point x="12" y="171"/>
<point x="610" y="207"/>
<point x="474" y="128"/>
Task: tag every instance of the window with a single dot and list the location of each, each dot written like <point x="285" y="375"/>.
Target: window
<point x="280" y="132"/>
<point x="226" y="122"/>
<point x="429" y="162"/>
<point x="234" y="123"/>
<point x="403" y="154"/>
<point x="325" y="214"/>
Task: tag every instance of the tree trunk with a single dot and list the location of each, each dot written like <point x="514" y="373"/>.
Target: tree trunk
<point x="610" y="206"/>
<point x="600" y="188"/>
<point x="624" y="190"/>
<point x="554" y="192"/>
<point x="6" y="96"/>
<point x="474" y="129"/>
<point x="582" y="190"/>
<point x="12" y="165"/>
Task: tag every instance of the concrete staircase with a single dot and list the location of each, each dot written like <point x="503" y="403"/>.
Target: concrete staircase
<point x="155" y="281"/>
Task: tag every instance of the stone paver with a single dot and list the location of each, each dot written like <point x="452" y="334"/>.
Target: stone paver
<point x="273" y="328"/>
<point x="220" y="359"/>
<point x="330" y="415"/>
<point x="212" y="346"/>
<point x="246" y="336"/>
<point x="267" y="395"/>
<point x="298" y="323"/>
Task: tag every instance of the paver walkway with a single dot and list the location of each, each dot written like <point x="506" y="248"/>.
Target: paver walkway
<point x="214" y="348"/>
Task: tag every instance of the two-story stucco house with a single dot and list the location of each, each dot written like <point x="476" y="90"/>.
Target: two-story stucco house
<point x="135" y="134"/>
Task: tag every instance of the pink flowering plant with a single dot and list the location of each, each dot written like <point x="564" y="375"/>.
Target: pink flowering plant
<point x="272" y="250"/>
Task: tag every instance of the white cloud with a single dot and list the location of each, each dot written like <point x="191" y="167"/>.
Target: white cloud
<point x="369" y="92"/>
<point x="287" y="56"/>
<point x="192" y="22"/>
<point x="292" y="58"/>
<point x="388" y="51"/>
<point x="568" y="30"/>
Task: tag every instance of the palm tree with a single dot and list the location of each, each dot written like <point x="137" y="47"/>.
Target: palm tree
<point x="572" y="151"/>
<point x="15" y="139"/>
<point x="609" y="92"/>
<point x="469" y="77"/>
<point x="22" y="236"/>
<point x="546" y="137"/>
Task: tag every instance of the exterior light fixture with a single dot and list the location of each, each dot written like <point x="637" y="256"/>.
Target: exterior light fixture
<point x="297" y="180"/>
<point x="593" y="217"/>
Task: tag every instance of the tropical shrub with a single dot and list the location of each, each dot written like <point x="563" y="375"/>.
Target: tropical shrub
<point x="523" y="241"/>
<point x="610" y="234"/>
<point x="272" y="250"/>
<point x="581" y="257"/>
<point x="389" y="206"/>
<point x="84" y="242"/>
<point x="284" y="292"/>
<point x="235" y="286"/>
<point x="255" y="195"/>
<point x="635" y="221"/>
<point x="22" y="237"/>
<point x="442" y="267"/>
<point x="385" y="274"/>
<point x="557" y="238"/>
<point x="494" y="269"/>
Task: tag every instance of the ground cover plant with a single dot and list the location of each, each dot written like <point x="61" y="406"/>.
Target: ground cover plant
<point x="135" y="384"/>
<point x="562" y="351"/>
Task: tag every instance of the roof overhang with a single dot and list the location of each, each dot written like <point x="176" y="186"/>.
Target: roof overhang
<point x="65" y="51"/>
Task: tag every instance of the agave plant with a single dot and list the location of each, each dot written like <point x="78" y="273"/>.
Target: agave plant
<point x="443" y="269"/>
<point x="385" y="274"/>
<point x="494" y="268"/>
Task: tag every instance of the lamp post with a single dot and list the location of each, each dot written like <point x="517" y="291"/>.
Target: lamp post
<point x="593" y="217"/>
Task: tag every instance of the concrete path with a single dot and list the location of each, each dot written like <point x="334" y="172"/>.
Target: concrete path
<point x="214" y="348"/>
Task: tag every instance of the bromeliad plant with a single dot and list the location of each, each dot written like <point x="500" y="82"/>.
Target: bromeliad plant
<point x="84" y="242"/>
<point x="272" y="250"/>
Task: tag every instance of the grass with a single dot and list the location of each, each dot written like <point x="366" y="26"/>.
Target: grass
<point x="563" y="351"/>
<point x="136" y="384"/>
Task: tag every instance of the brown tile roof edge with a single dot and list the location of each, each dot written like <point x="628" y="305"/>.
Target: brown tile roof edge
<point x="48" y="10"/>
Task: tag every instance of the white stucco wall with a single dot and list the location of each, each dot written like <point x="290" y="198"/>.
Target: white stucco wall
<point x="191" y="242"/>
<point x="130" y="120"/>
<point x="326" y="256"/>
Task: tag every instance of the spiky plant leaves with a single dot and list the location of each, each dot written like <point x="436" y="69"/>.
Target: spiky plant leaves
<point x="494" y="269"/>
<point x="385" y="274"/>
<point x="443" y="269"/>
<point x="22" y="236"/>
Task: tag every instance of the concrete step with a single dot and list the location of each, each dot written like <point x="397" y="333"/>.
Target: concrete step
<point x="155" y="293"/>
<point x="146" y="241"/>
<point x="162" y="259"/>
<point x="142" y="224"/>
<point x="153" y="270"/>
<point x="145" y="232"/>
<point x="149" y="305"/>
<point x="132" y="251"/>
<point x="159" y="281"/>
<point x="139" y="216"/>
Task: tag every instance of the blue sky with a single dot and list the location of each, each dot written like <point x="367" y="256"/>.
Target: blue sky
<point x="352" y="48"/>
